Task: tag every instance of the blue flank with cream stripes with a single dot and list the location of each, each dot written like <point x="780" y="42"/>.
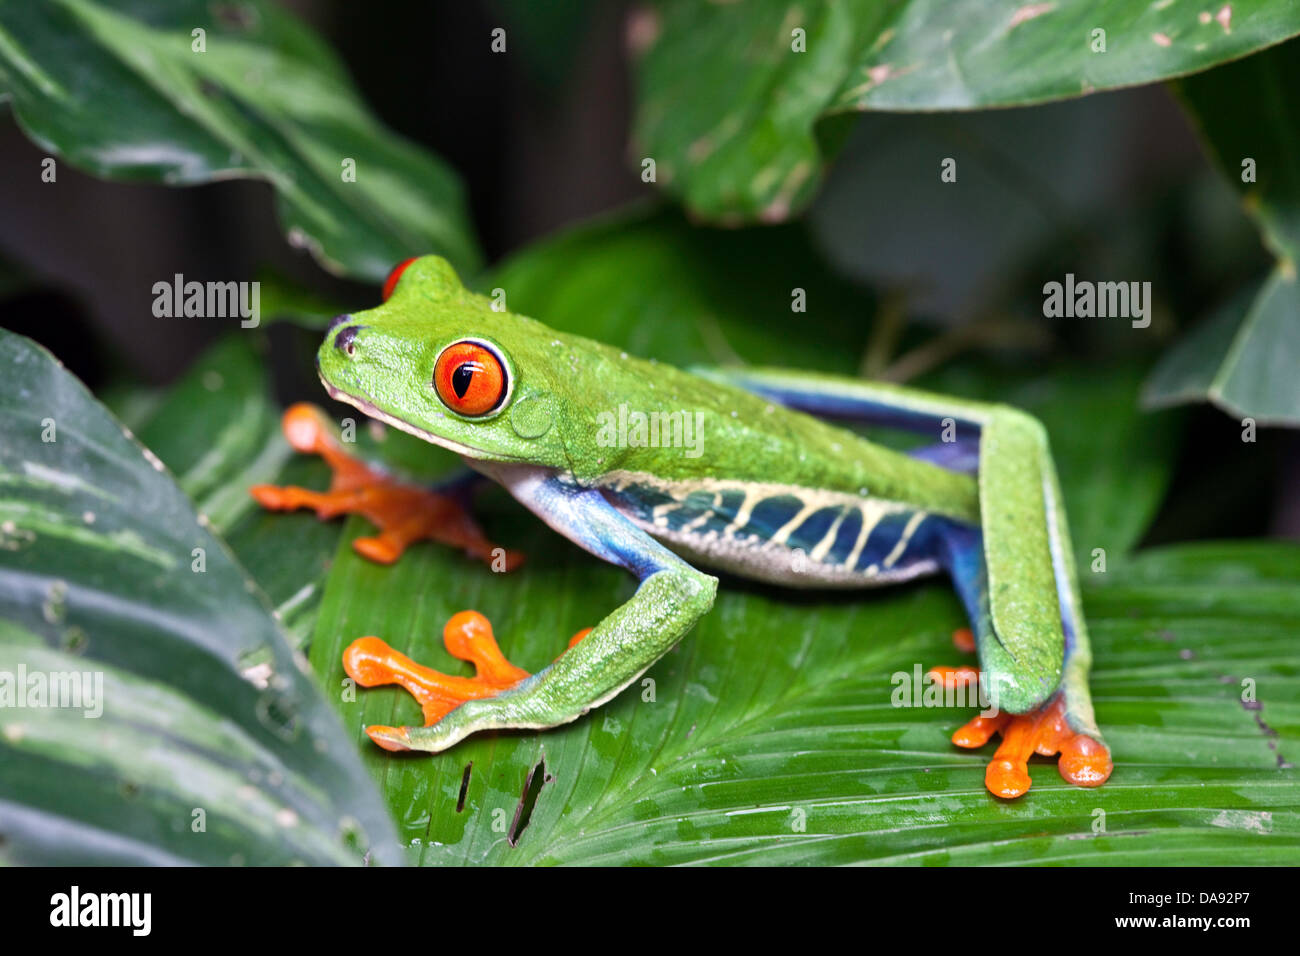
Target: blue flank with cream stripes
<point x="745" y="527"/>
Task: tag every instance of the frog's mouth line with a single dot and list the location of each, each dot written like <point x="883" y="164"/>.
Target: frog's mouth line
<point x="369" y="408"/>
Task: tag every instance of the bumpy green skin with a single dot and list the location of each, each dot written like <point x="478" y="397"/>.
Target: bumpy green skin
<point x="547" y="427"/>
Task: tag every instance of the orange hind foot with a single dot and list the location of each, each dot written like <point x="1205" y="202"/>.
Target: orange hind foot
<point x="467" y="635"/>
<point x="1084" y="761"/>
<point x="403" y="513"/>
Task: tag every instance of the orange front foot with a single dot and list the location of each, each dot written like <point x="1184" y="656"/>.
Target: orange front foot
<point x="1084" y="762"/>
<point x="467" y="635"/>
<point x="403" y="513"/>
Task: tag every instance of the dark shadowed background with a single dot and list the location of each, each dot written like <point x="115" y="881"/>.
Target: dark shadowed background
<point x="540" y="137"/>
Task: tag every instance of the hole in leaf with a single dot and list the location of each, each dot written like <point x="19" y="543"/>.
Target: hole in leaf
<point x="464" y="787"/>
<point x="527" y="800"/>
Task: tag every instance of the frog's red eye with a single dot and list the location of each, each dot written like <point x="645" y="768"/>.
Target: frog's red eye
<point x="391" y="282"/>
<point x="470" y="378"/>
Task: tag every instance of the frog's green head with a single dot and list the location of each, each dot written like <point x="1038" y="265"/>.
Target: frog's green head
<point x="440" y="362"/>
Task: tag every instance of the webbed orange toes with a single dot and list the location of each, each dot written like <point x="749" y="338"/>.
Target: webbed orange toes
<point x="468" y="635"/>
<point x="1084" y="762"/>
<point x="403" y="513"/>
<point x="964" y="640"/>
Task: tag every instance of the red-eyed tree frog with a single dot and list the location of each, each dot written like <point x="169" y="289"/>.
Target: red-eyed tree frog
<point x="763" y="487"/>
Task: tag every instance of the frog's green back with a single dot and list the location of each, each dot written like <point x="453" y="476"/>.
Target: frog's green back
<point x="590" y="409"/>
<point x="727" y="432"/>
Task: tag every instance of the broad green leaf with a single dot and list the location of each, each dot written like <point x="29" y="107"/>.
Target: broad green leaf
<point x="768" y="735"/>
<point x="729" y="110"/>
<point x="235" y="444"/>
<point x="1243" y="357"/>
<point x="1247" y="113"/>
<point x="119" y="89"/>
<point x="213" y="457"/>
<point x="106" y="572"/>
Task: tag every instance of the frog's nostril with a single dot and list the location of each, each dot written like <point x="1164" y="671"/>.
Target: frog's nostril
<point x="344" y="340"/>
<point x="337" y="321"/>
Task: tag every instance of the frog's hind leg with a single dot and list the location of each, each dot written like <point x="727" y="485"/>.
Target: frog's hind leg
<point x="1063" y="724"/>
<point x="1015" y="573"/>
<point x="403" y="513"/>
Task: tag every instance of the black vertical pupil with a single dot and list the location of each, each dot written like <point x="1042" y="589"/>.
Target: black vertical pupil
<point x="463" y="375"/>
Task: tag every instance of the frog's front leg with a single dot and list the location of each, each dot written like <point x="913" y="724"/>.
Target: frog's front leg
<point x="404" y="513"/>
<point x="671" y="597"/>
